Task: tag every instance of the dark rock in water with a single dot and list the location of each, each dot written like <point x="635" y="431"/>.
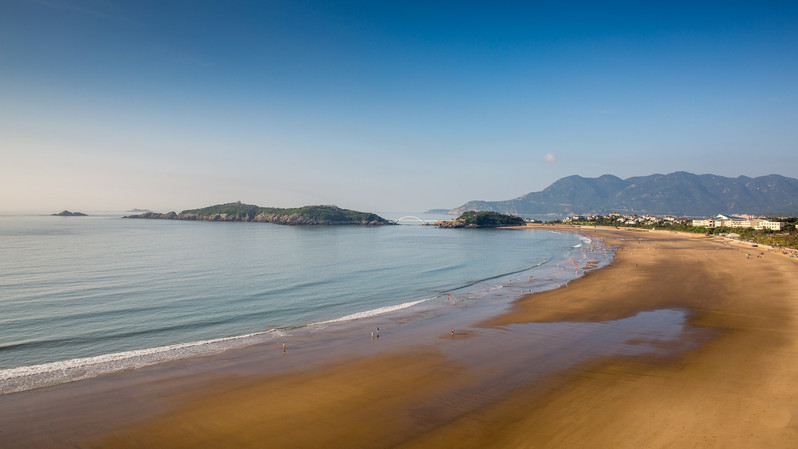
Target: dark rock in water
<point x="67" y="213"/>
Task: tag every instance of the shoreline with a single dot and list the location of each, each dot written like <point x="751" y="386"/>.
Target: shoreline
<point x="726" y="380"/>
<point x="476" y="296"/>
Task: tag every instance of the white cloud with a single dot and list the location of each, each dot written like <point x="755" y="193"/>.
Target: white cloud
<point x="550" y="158"/>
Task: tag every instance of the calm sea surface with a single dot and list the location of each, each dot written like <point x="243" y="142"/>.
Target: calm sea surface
<point x="73" y="288"/>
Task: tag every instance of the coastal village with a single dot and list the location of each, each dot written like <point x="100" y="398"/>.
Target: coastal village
<point x="779" y="234"/>
<point x="718" y="221"/>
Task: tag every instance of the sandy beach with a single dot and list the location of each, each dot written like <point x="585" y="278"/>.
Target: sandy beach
<point x="541" y="375"/>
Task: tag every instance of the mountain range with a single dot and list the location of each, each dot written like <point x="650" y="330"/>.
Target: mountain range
<point x="680" y="193"/>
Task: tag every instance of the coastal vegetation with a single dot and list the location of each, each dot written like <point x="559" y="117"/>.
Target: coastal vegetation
<point x="307" y="215"/>
<point x="788" y="237"/>
<point x="482" y="219"/>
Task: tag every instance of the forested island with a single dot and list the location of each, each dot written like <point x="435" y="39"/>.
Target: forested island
<point x="67" y="213"/>
<point x="307" y="215"/>
<point x="473" y="219"/>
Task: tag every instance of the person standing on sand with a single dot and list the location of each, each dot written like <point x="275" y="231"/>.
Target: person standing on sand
<point x="372" y="336"/>
<point x="283" y="347"/>
<point x="452" y="331"/>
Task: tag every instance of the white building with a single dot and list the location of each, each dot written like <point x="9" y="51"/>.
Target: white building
<point x="715" y="222"/>
<point x="739" y="222"/>
<point x="768" y="225"/>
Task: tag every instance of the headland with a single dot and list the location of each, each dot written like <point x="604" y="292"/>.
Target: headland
<point x="307" y="215"/>
<point x="481" y="219"/>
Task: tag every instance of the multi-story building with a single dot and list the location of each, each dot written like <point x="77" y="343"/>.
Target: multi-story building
<point x="714" y="222"/>
<point x="769" y="225"/>
<point x="739" y="222"/>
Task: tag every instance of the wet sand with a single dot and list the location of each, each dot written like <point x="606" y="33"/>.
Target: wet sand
<point x="681" y="342"/>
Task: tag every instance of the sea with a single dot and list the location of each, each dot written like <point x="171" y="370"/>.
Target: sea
<point x="86" y="296"/>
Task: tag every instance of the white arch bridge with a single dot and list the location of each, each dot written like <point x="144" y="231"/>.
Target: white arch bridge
<point x="413" y="218"/>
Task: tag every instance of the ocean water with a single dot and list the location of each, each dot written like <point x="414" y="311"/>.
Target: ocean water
<point x="83" y="296"/>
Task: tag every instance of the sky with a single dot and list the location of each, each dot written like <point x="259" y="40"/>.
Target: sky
<point x="382" y="105"/>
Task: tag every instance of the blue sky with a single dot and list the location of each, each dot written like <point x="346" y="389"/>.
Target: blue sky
<point x="380" y="106"/>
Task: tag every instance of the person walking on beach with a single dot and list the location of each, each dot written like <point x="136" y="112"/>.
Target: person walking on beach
<point x="372" y="336"/>
<point x="378" y="332"/>
<point x="452" y="331"/>
<point x="283" y="347"/>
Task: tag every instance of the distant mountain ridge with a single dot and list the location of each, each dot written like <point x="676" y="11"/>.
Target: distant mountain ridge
<point x="678" y="193"/>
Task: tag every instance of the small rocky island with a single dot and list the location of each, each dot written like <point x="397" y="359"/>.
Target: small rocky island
<point x="307" y="215"/>
<point x="67" y="213"/>
<point x="474" y="219"/>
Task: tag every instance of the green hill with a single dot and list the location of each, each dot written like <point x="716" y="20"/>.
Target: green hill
<point x="472" y="219"/>
<point x="307" y="215"/>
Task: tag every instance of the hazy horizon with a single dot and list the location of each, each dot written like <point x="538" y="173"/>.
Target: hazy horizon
<point x="133" y="210"/>
<point x="380" y="106"/>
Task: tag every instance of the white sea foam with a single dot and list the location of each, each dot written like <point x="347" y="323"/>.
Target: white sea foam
<point x="373" y="312"/>
<point x="34" y="376"/>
